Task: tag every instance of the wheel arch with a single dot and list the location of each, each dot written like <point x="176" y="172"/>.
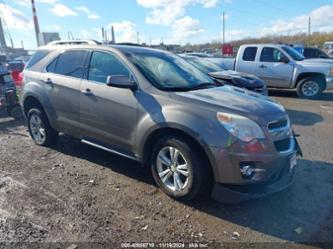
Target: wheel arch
<point x="307" y="75"/>
<point x="155" y="135"/>
<point x="31" y="101"/>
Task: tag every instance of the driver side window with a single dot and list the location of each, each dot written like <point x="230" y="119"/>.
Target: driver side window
<point x="103" y="65"/>
<point x="272" y="55"/>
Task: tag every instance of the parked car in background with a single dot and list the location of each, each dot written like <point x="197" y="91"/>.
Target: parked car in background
<point x="156" y="108"/>
<point x="198" y="54"/>
<point x="16" y="68"/>
<point x="281" y="66"/>
<point x="243" y="80"/>
<point x="328" y="48"/>
<point x="9" y="103"/>
<point x="313" y="53"/>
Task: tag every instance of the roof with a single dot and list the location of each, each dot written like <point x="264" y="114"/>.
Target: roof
<point x="129" y="48"/>
<point x="264" y="44"/>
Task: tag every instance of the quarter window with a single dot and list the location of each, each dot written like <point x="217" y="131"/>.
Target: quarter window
<point x="103" y="65"/>
<point x="37" y="57"/>
<point x="271" y="55"/>
<point x="52" y="66"/>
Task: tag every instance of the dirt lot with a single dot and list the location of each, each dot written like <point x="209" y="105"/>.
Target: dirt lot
<point x="76" y="194"/>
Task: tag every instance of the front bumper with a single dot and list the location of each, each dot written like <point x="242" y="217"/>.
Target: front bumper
<point x="239" y="193"/>
<point x="274" y="172"/>
<point x="329" y="83"/>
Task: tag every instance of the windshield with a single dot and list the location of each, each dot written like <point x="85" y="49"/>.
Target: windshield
<point x="204" y="65"/>
<point x="293" y="53"/>
<point x="167" y="71"/>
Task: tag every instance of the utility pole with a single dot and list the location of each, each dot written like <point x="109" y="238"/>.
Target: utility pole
<point x="223" y="26"/>
<point x="103" y="34"/>
<point x="309" y="26"/>
<point x="113" y="38"/>
<point x="138" y="37"/>
<point x="35" y="19"/>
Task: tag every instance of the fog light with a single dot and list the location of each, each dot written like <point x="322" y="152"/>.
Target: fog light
<point x="247" y="170"/>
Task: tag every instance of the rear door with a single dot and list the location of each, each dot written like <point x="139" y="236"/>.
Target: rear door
<point x="246" y="60"/>
<point x="108" y="114"/>
<point x="273" y="68"/>
<point x="62" y="82"/>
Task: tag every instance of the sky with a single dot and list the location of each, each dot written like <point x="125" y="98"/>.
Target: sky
<point x="170" y="21"/>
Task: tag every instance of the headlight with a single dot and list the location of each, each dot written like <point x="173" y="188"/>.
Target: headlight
<point x="241" y="127"/>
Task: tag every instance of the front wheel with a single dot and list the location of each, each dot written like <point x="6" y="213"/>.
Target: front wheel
<point x="177" y="169"/>
<point x="310" y="88"/>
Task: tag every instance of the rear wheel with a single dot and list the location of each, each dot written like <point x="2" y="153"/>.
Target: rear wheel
<point x="310" y="88"/>
<point x="178" y="169"/>
<point x="39" y="128"/>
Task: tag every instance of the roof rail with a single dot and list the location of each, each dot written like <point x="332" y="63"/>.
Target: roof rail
<point x="74" y="42"/>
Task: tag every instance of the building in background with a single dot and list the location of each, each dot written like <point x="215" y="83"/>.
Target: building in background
<point x="47" y="37"/>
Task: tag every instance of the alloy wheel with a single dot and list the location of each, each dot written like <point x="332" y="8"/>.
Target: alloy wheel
<point x="37" y="129"/>
<point x="173" y="169"/>
<point x="310" y="88"/>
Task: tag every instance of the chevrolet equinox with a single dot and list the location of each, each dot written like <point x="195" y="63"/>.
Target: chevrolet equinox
<point x="198" y="136"/>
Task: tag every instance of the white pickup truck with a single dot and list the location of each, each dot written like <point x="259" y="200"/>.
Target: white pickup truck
<point x="280" y="66"/>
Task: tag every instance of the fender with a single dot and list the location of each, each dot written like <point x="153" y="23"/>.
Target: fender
<point x="35" y="90"/>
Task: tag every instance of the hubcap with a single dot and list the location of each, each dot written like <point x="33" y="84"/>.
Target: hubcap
<point x="37" y="129"/>
<point x="310" y="88"/>
<point x="172" y="168"/>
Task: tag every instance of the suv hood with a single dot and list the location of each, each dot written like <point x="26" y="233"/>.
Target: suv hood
<point x="238" y="101"/>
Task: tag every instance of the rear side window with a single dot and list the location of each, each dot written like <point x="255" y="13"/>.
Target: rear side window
<point x="38" y="56"/>
<point x="69" y="63"/>
<point x="250" y="54"/>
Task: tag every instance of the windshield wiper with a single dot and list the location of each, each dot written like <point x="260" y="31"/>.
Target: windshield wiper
<point x="191" y="88"/>
<point x="205" y="85"/>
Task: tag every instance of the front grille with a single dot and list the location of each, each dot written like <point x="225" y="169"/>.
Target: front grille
<point x="282" y="123"/>
<point x="282" y="145"/>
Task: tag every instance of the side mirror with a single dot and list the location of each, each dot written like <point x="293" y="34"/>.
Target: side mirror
<point x="121" y="81"/>
<point x="284" y="59"/>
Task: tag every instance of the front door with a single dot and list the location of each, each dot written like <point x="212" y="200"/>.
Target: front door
<point x="108" y="114"/>
<point x="273" y="68"/>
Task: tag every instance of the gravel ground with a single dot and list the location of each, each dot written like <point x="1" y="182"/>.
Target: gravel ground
<point x="73" y="195"/>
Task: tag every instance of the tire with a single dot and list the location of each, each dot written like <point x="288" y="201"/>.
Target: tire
<point x="191" y="186"/>
<point x="310" y="88"/>
<point x="40" y="130"/>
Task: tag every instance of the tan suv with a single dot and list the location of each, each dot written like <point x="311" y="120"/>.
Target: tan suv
<point x="197" y="136"/>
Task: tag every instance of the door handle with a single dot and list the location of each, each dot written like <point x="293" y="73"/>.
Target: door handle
<point x="87" y="92"/>
<point x="48" y="81"/>
<point x="263" y="66"/>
